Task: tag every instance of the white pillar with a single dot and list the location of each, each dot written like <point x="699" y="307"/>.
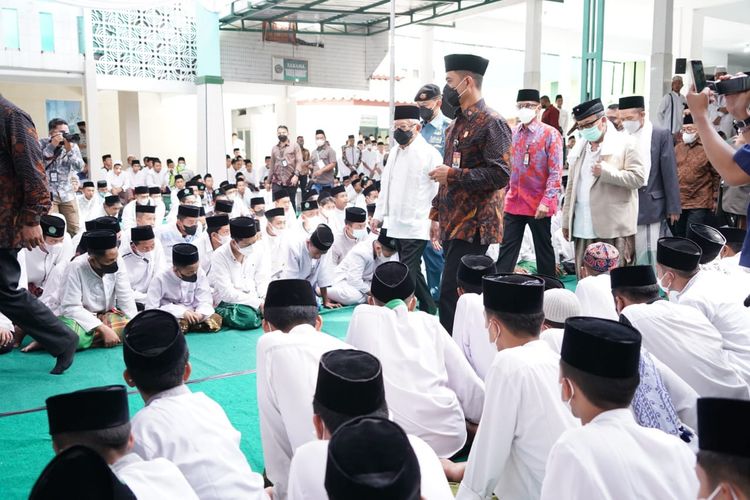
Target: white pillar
<point x="211" y="137"/>
<point x="696" y="35"/>
<point x="130" y="135"/>
<point x="661" y="54"/>
<point x="90" y="100"/>
<point x="426" y="67"/>
<point x="532" y="67"/>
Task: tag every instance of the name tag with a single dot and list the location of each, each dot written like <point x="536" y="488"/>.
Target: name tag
<point x="53" y="176"/>
<point x="284" y="163"/>
<point x="456" y="163"/>
<point x="321" y="164"/>
<point x="526" y="159"/>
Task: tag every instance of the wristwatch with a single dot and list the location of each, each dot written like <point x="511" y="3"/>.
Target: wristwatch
<point x="742" y="124"/>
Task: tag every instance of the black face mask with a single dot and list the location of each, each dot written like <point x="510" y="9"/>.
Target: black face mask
<point x="282" y="138"/>
<point x="450" y="95"/>
<point x="189" y="279"/>
<point x="426" y="114"/>
<point x="402" y="137"/>
<point x="190" y="230"/>
<point x="108" y="269"/>
<point x="260" y="213"/>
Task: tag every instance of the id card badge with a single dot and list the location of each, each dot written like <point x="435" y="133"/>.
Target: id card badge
<point x="284" y="163"/>
<point x="526" y="159"/>
<point x="321" y="164"/>
<point x="53" y="176"/>
<point x="456" y="163"/>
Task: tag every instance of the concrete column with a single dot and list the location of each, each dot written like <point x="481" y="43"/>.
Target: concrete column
<point x="91" y="101"/>
<point x="532" y="67"/>
<point x="662" y="61"/>
<point x="210" y="130"/>
<point x="426" y="67"/>
<point x="130" y="135"/>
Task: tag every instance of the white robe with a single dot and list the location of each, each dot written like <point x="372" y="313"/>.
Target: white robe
<point x="353" y="276"/>
<point x="142" y="271"/>
<point x="614" y="458"/>
<point x="595" y="295"/>
<point x="430" y="387"/>
<point x="342" y="245"/>
<point x="86" y="293"/>
<point x="192" y="431"/>
<point x="175" y="296"/>
<point x="237" y="282"/>
<point x="298" y="264"/>
<point x="170" y="236"/>
<point x="470" y="334"/>
<point x="523" y="417"/>
<point x="87" y="209"/>
<point x="287" y="365"/>
<point x="40" y="265"/>
<point x="273" y="247"/>
<point x="308" y="471"/>
<point x="205" y="251"/>
<point x="688" y="343"/>
<point x="156" y="479"/>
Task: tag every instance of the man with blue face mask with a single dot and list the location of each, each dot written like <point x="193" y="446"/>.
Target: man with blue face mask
<point x="354" y="231"/>
<point x="601" y="199"/>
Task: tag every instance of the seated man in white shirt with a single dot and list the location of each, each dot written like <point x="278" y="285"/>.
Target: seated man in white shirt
<point x="99" y="418"/>
<point x="97" y="301"/>
<point x="469" y="330"/>
<point x="350" y="386"/>
<point x="258" y="206"/>
<point x="435" y="395"/>
<point x="117" y="180"/>
<point x="340" y="201"/>
<point x="154" y="192"/>
<point x="182" y="290"/>
<point x="102" y="188"/>
<point x="184" y="230"/>
<point x="523" y="415"/>
<point x="353" y="276"/>
<point x="240" y="272"/>
<point x="309" y="217"/>
<point x="724" y="458"/>
<point x="356" y="198"/>
<point x="288" y="355"/>
<point x="179" y="184"/>
<point x="185" y="196"/>
<point x="593" y="290"/>
<point x="189" y="429"/>
<point x="40" y="264"/>
<point x="215" y="235"/>
<point x="354" y="231"/>
<point x="143" y="261"/>
<point x="281" y="200"/>
<point x="611" y="456"/>
<point x="308" y="258"/>
<point x="273" y="236"/>
<point x="370" y="195"/>
<point x="110" y="207"/>
<point x="88" y="203"/>
<point x="140" y="198"/>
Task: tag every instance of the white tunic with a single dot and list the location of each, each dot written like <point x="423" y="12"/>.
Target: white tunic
<point x="298" y="264"/>
<point x="157" y="179"/>
<point x="406" y="190"/>
<point x="118" y="181"/>
<point x="430" y="387"/>
<point x="287" y="366"/>
<point x="595" y="295"/>
<point x="470" y="334"/>
<point x="156" y="479"/>
<point x="308" y="471"/>
<point x="193" y="432"/>
<point x="86" y="293"/>
<point x="128" y="215"/>
<point x="358" y="267"/>
<point x="273" y="247"/>
<point x="205" y="251"/>
<point x="87" y="209"/>
<point x="40" y="265"/>
<point x="142" y="271"/>
<point x="342" y="245"/>
<point x="614" y="458"/>
<point x="688" y="343"/>
<point x="237" y="282"/>
<point x="139" y="179"/>
<point x="175" y="296"/>
<point x="523" y="417"/>
<point x="171" y="236"/>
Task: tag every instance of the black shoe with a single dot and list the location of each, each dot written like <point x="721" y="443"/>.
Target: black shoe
<point x="65" y="359"/>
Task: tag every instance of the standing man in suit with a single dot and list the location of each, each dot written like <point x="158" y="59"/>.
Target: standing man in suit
<point x="601" y="199"/>
<point x="659" y="199"/>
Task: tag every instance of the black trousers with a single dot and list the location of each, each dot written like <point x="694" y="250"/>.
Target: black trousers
<point x="24" y="310"/>
<point x="513" y="228"/>
<point x="453" y="250"/>
<point x="410" y="254"/>
<point x="290" y="191"/>
<point x="302" y="184"/>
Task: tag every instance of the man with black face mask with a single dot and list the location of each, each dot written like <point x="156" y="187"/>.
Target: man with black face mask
<point x="286" y="162"/>
<point x="186" y="229"/>
<point x="434" y="122"/>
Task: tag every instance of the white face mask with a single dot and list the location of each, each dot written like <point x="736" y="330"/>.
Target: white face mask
<point x="572" y="393"/>
<point x="314" y="221"/>
<point x="359" y="234"/>
<point x="148" y="256"/>
<point x="142" y="202"/>
<point x="662" y="286"/>
<point x="631" y="126"/>
<point x="526" y="115"/>
<point x="224" y="239"/>
<point x="716" y="492"/>
<point x="320" y="142"/>
<point x="689" y="138"/>
<point x="247" y="251"/>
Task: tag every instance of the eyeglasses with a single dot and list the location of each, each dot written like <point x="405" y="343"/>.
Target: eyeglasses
<point x="582" y="126"/>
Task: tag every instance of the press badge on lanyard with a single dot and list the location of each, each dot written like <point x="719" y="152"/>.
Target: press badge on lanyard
<point x="53" y="176"/>
<point x="526" y="159"/>
<point x="456" y="162"/>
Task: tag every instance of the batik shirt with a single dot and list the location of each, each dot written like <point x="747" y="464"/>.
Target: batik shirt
<point x="60" y="165"/>
<point x="470" y="206"/>
<point x="536" y="165"/>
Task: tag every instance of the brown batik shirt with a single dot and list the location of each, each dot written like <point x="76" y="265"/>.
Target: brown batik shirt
<point x="699" y="182"/>
<point x="472" y="200"/>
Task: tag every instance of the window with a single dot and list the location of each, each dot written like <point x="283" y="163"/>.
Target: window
<point x="81" y="39"/>
<point x="46" y="28"/>
<point x="10" y="29"/>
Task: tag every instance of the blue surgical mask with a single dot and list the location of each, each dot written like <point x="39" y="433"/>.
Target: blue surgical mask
<point x="591" y="134"/>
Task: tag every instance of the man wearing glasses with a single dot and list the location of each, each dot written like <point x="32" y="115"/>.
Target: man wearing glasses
<point x="601" y="200"/>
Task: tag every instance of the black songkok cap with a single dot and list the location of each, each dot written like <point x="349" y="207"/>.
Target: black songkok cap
<point x="53" y="226"/>
<point x="275" y="212"/>
<point x="371" y="458"/>
<point x="215" y="222"/>
<point x="92" y="409"/>
<point x="101" y="240"/>
<point x="281" y="193"/>
<point x="258" y="200"/>
<point x="355" y="214"/>
<point x="152" y="342"/>
<point x="80" y="473"/>
<point x="101" y="184"/>
<point x="601" y="347"/>
<point x="184" y="254"/>
<point x="242" y="227"/>
<point x="154" y="190"/>
<point x="528" y="95"/>
<point x="141" y="233"/>
<point x="709" y="239"/>
<point x="88" y="184"/>
<point x="145" y="209"/>
<point x="223" y="206"/>
<point x="550" y="282"/>
<point x="406" y="112"/>
<point x="466" y="62"/>
<point x="588" y="108"/>
<point x="733" y="234"/>
<point x="228" y="187"/>
<point x="109" y="223"/>
<point x="350" y="382"/>
<point x="309" y="205"/>
<point x="427" y="92"/>
<point x="91" y="225"/>
<point x="635" y="101"/>
<point x="189" y="211"/>
<point x="390" y="281"/>
<point x="371" y="209"/>
<point x="338" y="190"/>
<point x="185" y="192"/>
<point x="369" y="189"/>
<point x="473" y="268"/>
<point x="290" y="292"/>
<point x="513" y="293"/>
<point x="632" y="276"/>
<point x="687" y="119"/>
<point x="722" y="424"/>
<point x="322" y="238"/>
<point x="387" y="241"/>
<point x="678" y="253"/>
<point x="111" y="200"/>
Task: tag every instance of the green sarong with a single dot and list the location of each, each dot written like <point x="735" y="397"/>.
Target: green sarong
<point x="85" y="339"/>
<point x="239" y="316"/>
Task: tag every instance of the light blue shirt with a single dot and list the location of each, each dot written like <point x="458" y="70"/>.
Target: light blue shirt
<point x="434" y="132"/>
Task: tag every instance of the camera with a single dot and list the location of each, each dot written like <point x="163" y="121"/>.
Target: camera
<point x="72" y="138"/>
<point x="733" y="85"/>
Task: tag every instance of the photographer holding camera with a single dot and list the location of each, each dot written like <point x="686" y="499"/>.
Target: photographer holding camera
<point x="61" y="159"/>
